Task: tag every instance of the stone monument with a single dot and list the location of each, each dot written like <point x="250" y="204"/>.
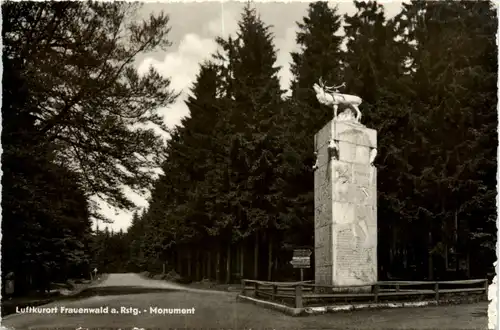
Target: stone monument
<point x="345" y="195"/>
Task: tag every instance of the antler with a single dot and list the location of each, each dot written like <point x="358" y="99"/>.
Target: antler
<point x="339" y="86"/>
<point x="329" y="89"/>
<point x="321" y="83"/>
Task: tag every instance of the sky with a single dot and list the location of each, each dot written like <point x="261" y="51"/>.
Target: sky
<point x="194" y="27"/>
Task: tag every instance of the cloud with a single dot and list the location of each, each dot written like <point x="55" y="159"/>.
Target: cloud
<point x="181" y="66"/>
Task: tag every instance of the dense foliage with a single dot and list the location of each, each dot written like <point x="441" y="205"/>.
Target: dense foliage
<point x="238" y="186"/>
<point x="75" y="114"/>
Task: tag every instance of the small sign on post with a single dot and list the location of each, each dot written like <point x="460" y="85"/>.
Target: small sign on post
<point x="301" y="259"/>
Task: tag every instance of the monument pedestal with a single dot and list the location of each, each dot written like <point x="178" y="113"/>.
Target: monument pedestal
<point x="345" y="220"/>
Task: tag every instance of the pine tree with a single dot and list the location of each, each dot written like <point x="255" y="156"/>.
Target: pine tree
<point x="453" y="116"/>
<point x="86" y="94"/>
<point x="321" y="55"/>
<point x="254" y="96"/>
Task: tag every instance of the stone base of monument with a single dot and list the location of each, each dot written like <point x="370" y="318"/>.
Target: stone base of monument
<point x="358" y="289"/>
<point x="345" y="201"/>
<point x="354" y="289"/>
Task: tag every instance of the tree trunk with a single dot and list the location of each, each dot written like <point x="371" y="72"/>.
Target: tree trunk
<point x="209" y="265"/>
<point x="468" y="264"/>
<point x="237" y="257"/>
<point x="228" y="264"/>
<point x="189" y="263"/>
<point x="430" y="263"/>
<point x="256" y="258"/>
<point x="203" y="266"/>
<point x="179" y="262"/>
<point x="270" y="258"/>
<point x="242" y="261"/>
<point x="217" y="266"/>
<point x="198" y="266"/>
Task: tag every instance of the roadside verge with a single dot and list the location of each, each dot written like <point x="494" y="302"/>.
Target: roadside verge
<point x="9" y="306"/>
<point x="305" y="311"/>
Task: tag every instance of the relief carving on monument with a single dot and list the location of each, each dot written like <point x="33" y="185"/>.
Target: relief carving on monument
<point x="349" y="255"/>
<point x="362" y="154"/>
<point x="366" y="234"/>
<point x="361" y="174"/>
<point x="354" y="146"/>
<point x="346" y="212"/>
<point x="347" y="152"/>
<point x="368" y="273"/>
<point x="355" y="134"/>
<point x="342" y="173"/>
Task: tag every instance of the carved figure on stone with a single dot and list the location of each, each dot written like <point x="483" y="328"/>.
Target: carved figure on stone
<point x="365" y="275"/>
<point x="315" y="166"/>
<point x="361" y="224"/>
<point x="333" y="149"/>
<point x="343" y="175"/>
<point x="330" y="96"/>
<point x="347" y="217"/>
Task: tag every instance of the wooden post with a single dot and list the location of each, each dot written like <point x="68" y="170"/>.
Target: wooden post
<point x="163" y="272"/>
<point x="256" y="288"/>
<point x="275" y="292"/>
<point x="256" y="257"/>
<point x="302" y="274"/>
<point x="397" y="287"/>
<point x="243" y="291"/>
<point x="486" y="288"/>
<point x="189" y="264"/>
<point x="376" y="290"/>
<point x="436" y="290"/>
<point x="298" y="296"/>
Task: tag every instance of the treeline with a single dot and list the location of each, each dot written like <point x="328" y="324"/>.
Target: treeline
<point x="236" y="194"/>
<point x="72" y="110"/>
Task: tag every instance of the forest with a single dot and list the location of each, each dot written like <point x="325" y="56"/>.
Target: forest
<point x="236" y="193"/>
